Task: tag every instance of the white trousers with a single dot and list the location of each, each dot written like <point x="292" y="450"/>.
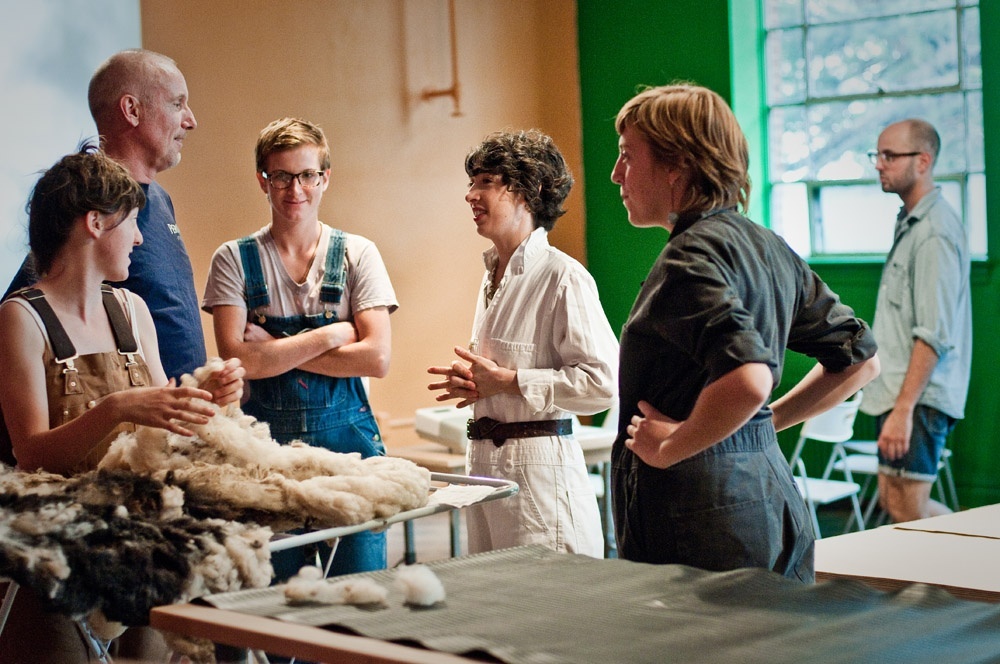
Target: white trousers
<point x="555" y="505"/>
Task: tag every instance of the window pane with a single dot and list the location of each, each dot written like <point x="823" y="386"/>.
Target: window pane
<point x="843" y="132"/>
<point x="782" y="13"/>
<point x="884" y="55"/>
<point x="790" y="216"/>
<point x="971" y="47"/>
<point x="856" y="219"/>
<point x="788" y="144"/>
<point x="975" y="214"/>
<point x="974" y="128"/>
<point x="786" y="67"/>
<point x="951" y="191"/>
<point x="827" y="11"/>
<point x="846" y="131"/>
<point x="861" y="218"/>
<point x="868" y="64"/>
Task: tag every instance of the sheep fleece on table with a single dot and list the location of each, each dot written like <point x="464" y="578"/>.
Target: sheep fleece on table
<point x="233" y="469"/>
<point x="119" y="543"/>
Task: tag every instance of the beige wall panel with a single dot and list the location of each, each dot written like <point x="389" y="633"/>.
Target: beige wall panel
<point x="358" y="68"/>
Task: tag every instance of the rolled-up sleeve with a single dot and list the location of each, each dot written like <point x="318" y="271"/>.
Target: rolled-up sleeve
<point x="828" y="330"/>
<point x="938" y="277"/>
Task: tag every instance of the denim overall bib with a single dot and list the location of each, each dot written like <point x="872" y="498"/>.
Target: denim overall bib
<point x="322" y="411"/>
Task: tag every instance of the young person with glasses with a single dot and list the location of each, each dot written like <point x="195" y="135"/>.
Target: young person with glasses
<point x="306" y="309"/>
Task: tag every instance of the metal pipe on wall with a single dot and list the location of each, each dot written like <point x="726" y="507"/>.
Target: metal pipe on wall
<point x="452" y="91"/>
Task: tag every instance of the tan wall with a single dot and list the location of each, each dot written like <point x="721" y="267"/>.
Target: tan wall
<point x="357" y="68"/>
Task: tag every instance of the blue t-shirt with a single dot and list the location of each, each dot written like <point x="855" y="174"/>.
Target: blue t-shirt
<point x="161" y="275"/>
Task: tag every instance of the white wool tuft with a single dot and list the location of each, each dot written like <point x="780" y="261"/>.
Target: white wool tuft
<point x="420" y="585"/>
<point x="310" y="586"/>
<point x="233" y="462"/>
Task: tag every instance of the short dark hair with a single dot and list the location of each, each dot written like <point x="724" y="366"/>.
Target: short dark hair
<point x="79" y="183"/>
<point x="924" y="137"/>
<point x="531" y="165"/>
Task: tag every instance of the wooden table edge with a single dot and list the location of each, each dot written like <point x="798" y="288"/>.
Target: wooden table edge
<point x="890" y="585"/>
<point x="289" y="639"/>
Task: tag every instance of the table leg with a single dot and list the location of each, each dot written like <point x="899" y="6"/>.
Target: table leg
<point x="456" y="533"/>
<point x="607" y="519"/>
<point x="409" y="544"/>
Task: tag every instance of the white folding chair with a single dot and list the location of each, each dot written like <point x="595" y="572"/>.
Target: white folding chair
<point x="834" y="426"/>
<point x="818" y="492"/>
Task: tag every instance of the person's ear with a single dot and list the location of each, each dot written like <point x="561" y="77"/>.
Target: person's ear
<point x="94" y="223"/>
<point x="925" y="160"/>
<point x="130" y="108"/>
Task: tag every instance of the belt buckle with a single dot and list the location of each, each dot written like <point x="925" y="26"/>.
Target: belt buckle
<point x="482" y="429"/>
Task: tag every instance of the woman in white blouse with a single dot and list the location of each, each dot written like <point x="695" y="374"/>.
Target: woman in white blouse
<point x="541" y="349"/>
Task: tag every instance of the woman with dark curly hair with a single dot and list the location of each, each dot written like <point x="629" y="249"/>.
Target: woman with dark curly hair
<point x="541" y="349"/>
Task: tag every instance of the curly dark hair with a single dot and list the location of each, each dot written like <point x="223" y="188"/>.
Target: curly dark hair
<point x="78" y="183"/>
<point x="531" y="165"/>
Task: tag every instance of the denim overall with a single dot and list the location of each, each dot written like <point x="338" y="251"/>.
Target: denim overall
<point x="323" y="411"/>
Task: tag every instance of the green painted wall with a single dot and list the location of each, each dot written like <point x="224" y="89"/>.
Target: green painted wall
<point x="631" y="43"/>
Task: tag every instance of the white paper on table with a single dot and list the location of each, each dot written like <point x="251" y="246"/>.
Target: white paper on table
<point x="460" y="495"/>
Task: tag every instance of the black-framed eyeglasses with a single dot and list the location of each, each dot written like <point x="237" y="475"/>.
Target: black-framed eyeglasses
<point x="283" y="180"/>
<point x="888" y="155"/>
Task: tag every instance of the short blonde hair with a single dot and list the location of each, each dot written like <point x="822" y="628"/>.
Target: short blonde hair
<point x="289" y="133"/>
<point x="693" y="127"/>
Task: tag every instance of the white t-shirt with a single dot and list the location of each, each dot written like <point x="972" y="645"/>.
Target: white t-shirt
<point x="367" y="285"/>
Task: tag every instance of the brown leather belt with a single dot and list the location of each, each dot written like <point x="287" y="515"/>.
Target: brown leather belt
<point x="486" y="428"/>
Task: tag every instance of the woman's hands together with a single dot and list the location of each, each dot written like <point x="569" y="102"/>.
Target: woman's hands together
<point x="475" y="378"/>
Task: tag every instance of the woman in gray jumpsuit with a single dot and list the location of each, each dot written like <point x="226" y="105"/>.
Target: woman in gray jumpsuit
<point x="698" y="477"/>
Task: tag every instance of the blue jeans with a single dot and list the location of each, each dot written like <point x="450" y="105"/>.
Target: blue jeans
<point x="324" y="412"/>
<point x="930" y="431"/>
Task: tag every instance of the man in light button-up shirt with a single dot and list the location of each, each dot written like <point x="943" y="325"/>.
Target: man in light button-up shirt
<point x="923" y="325"/>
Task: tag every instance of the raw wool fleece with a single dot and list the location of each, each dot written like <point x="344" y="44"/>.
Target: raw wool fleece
<point x="233" y="469"/>
<point x="310" y="586"/>
<point x="118" y="544"/>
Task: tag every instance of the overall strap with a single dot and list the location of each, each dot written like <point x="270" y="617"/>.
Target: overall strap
<point x="61" y="345"/>
<point x="335" y="277"/>
<point x="124" y="338"/>
<point x="119" y="323"/>
<point x="256" y="287"/>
